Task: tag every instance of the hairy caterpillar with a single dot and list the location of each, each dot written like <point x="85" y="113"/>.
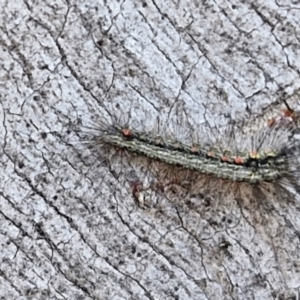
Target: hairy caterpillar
<point x="267" y="161"/>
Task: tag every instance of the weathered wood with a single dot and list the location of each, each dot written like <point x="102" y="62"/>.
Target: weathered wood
<point x="69" y="227"/>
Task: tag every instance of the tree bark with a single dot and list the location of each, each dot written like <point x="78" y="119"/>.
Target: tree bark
<point x="70" y="226"/>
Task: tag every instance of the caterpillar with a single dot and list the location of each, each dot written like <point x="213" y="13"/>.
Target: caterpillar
<point x="266" y="161"/>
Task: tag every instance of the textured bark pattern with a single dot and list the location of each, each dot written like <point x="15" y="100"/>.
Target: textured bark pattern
<point x="70" y="228"/>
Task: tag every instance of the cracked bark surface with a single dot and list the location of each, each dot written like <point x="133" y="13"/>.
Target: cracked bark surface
<point x="69" y="227"/>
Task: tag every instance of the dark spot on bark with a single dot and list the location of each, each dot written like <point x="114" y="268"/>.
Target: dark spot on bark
<point x="84" y="289"/>
<point x="43" y="94"/>
<point x="228" y="51"/>
<point x="69" y="219"/>
<point x="44" y="135"/>
<point x="207" y="203"/>
<point x="133" y="249"/>
<point x="213" y="223"/>
<point x="100" y="43"/>
<point x="224" y="245"/>
<point x="44" y="67"/>
<point x="188" y="202"/>
<point x="144" y="240"/>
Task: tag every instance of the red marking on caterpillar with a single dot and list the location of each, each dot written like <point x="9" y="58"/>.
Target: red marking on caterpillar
<point x="127" y="132"/>
<point x="239" y="160"/>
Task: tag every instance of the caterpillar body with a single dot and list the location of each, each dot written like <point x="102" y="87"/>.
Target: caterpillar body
<point x="270" y="157"/>
<point x="250" y="167"/>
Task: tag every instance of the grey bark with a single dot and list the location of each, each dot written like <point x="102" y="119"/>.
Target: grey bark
<point x="70" y="228"/>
